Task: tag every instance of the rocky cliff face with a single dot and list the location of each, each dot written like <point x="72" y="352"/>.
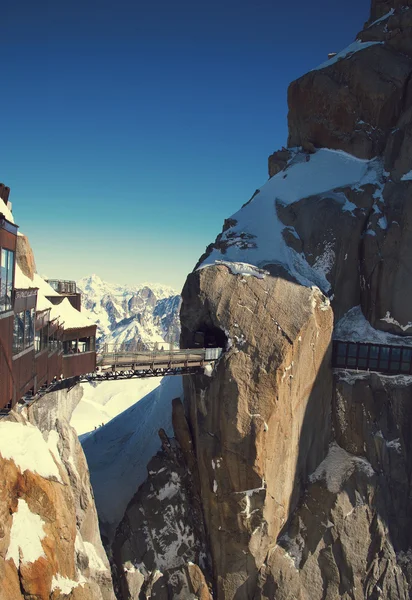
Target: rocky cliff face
<point x="304" y="473"/>
<point x="160" y="549"/>
<point x="50" y="544"/>
<point x="261" y="422"/>
<point x="25" y="256"/>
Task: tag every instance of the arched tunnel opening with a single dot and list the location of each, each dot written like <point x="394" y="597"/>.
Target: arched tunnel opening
<point x="208" y="336"/>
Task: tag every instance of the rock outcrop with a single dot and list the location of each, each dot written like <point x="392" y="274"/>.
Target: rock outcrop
<point x="261" y="423"/>
<point x="160" y="548"/>
<point x="50" y="544"/>
<point x="25" y="256"/>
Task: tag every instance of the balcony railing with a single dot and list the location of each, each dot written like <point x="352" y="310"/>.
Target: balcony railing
<point x="7" y="225"/>
<point x="63" y="287"/>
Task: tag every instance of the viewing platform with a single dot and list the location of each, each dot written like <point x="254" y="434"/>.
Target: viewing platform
<point x="66" y="289"/>
<point x="362" y="356"/>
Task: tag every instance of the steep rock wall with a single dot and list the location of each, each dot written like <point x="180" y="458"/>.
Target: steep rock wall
<point x="261" y="422"/>
<point x="160" y="548"/>
<point x="50" y="543"/>
<point x="351" y="534"/>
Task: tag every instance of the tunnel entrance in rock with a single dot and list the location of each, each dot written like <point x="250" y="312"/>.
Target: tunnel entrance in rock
<point x="208" y="336"/>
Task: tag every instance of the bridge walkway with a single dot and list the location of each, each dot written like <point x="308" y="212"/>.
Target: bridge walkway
<point x="126" y="365"/>
<point x="121" y="364"/>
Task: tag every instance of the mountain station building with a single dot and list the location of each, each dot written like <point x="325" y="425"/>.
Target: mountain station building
<point x="43" y="335"/>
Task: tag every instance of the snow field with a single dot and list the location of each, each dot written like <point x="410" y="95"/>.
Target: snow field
<point x="102" y="402"/>
<point x="118" y="453"/>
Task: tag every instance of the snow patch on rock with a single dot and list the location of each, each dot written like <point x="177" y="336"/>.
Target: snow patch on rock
<point x="353" y="327"/>
<point x="27" y="532"/>
<point x="349" y="51"/>
<point x="24" y="444"/>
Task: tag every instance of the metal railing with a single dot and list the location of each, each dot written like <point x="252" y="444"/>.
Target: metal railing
<point x="63" y="287"/>
<point x="372" y="357"/>
<point x="171" y="358"/>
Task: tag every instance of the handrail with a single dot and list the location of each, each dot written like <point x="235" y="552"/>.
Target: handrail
<point x="368" y="356"/>
<point x="171" y="357"/>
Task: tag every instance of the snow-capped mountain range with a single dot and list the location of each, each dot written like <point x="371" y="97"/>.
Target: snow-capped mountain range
<point x="136" y="316"/>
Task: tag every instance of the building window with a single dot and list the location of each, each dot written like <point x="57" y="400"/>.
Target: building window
<point x="54" y="343"/>
<point x="23" y="330"/>
<point x="86" y="344"/>
<point x="40" y="339"/>
<point x="6" y="279"/>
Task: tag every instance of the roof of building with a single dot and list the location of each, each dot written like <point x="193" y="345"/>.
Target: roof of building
<point x="69" y="316"/>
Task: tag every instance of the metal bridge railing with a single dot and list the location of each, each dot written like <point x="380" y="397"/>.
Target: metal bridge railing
<point x="176" y="357"/>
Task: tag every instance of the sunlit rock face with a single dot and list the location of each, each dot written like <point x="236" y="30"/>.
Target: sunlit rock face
<point x="25" y="256"/>
<point x="50" y="544"/>
<point x="261" y="423"/>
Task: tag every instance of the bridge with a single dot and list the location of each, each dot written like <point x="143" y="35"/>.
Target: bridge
<point x="120" y="364"/>
<point x="116" y="363"/>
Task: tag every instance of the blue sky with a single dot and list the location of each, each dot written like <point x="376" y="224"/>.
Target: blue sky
<point x="131" y="129"/>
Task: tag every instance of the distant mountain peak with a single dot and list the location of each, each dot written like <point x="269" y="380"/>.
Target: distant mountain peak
<point x="131" y="315"/>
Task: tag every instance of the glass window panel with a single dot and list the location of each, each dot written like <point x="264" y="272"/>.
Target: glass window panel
<point x="396" y="354"/>
<point x="351" y="361"/>
<point x="405" y="367"/>
<point x="341" y="349"/>
<point x="362" y="362"/>
<point x="10" y="269"/>
<point x="374" y="350"/>
<point x="384" y="355"/>
<point x="406" y="354"/>
<point x="373" y="363"/>
<point x="18" y="333"/>
<point x="28" y="328"/>
<point x="394" y="366"/>
<point x="363" y="351"/>
<point x="37" y="341"/>
<point x="6" y="279"/>
<point x="340" y="361"/>
<point x="353" y="348"/>
<point x="3" y="280"/>
<point x="383" y="364"/>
